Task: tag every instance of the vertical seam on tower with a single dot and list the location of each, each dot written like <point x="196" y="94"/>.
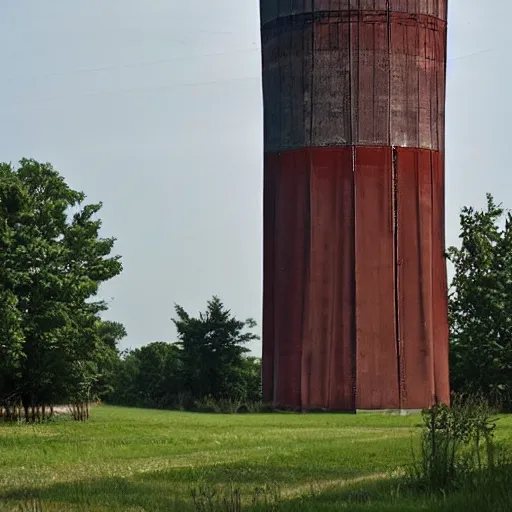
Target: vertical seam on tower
<point x="308" y="226"/>
<point x="351" y="132"/>
<point x="431" y="263"/>
<point x="418" y="77"/>
<point x="356" y="124"/>
<point x="303" y="77"/>
<point x="277" y="348"/>
<point x="444" y="86"/>
<point x="293" y="113"/>
<point x="276" y="358"/>
<point x="388" y="9"/>
<point x="333" y="302"/>
<point x="306" y="276"/>
<point x="436" y="52"/>
<point x="312" y="84"/>
<point x="421" y="259"/>
<point x="354" y="220"/>
<point x="394" y="174"/>
<point x="280" y="81"/>
<point x="355" y="134"/>
<point x="374" y="70"/>
<point x="354" y="284"/>
<point x="397" y="273"/>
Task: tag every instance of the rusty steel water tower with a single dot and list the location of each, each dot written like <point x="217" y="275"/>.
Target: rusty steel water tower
<point x="355" y="287"/>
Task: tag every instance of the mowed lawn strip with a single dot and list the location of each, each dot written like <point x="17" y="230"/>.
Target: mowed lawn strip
<point x="132" y="459"/>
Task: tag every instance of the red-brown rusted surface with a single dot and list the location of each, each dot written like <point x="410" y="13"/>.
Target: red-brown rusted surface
<point x="414" y="263"/>
<point x="330" y="281"/>
<point x="375" y="308"/>
<point x="354" y="274"/>
<point x="439" y="284"/>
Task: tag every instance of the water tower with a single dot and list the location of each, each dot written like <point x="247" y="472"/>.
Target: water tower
<point x="355" y="291"/>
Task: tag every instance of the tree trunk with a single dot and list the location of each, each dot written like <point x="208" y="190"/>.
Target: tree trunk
<point x="25" y="404"/>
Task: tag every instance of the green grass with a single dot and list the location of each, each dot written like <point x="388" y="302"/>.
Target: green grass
<point x="135" y="460"/>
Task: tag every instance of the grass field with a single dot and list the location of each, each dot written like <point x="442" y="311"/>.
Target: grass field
<point x="135" y="460"/>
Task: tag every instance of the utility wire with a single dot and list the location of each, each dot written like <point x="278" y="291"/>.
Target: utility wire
<point x="145" y="89"/>
<point x="182" y="85"/>
<point x="140" y="64"/>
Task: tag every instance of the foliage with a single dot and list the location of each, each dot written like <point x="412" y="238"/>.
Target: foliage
<point x="207" y="370"/>
<point x="52" y="262"/>
<point x="212" y="352"/>
<point x="480" y="303"/>
<point x="148" y="377"/>
<point x="457" y="442"/>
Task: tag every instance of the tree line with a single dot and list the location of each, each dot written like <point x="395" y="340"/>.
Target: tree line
<point x="480" y="304"/>
<point x="52" y="262"/>
<point x="57" y="348"/>
<point x="208" y="366"/>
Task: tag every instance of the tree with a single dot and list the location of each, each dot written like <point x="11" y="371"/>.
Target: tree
<point x="251" y="372"/>
<point x="159" y="373"/>
<point x="51" y="268"/>
<point x="149" y="376"/>
<point x="480" y="303"/>
<point x="213" y="351"/>
<point x="109" y="334"/>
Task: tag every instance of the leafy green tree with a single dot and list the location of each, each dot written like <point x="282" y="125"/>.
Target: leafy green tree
<point x="213" y="351"/>
<point x="125" y="382"/>
<point x="251" y="372"/>
<point x="106" y="355"/>
<point x="111" y="333"/>
<point x="149" y="376"/>
<point x="159" y="373"/>
<point x="53" y="262"/>
<point x="13" y="200"/>
<point x="480" y="303"/>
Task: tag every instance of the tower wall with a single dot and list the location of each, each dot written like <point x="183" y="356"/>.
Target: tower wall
<point x="355" y="295"/>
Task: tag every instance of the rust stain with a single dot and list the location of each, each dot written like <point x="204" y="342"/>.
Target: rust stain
<point x="355" y="305"/>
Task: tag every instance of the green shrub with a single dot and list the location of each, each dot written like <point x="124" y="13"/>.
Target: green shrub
<point x="457" y="442"/>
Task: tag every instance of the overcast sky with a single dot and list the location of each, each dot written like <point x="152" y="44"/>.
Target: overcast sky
<point x="154" y="108"/>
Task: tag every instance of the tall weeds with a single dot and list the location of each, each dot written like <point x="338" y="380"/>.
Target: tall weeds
<point x="207" y="498"/>
<point x="457" y="442"/>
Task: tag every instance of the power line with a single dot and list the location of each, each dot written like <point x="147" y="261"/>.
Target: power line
<point x="182" y="85"/>
<point x="142" y="63"/>
<point x="145" y="89"/>
<point x="471" y="55"/>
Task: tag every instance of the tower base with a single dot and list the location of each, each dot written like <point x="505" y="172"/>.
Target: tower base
<point x="355" y="292"/>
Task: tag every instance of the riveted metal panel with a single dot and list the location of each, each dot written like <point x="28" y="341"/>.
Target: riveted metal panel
<point x="273" y="9"/>
<point x="287" y="86"/>
<point x="365" y="77"/>
<point x="439" y="282"/>
<point x="414" y="263"/>
<point x="271" y="179"/>
<point x="377" y="372"/>
<point x="373" y="87"/>
<point x="342" y="353"/>
<point x="330" y="86"/>
<point x="290" y="267"/>
<point x="309" y="343"/>
<point x="330" y="357"/>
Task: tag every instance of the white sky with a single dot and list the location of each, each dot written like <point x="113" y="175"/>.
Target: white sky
<point x="154" y="108"/>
